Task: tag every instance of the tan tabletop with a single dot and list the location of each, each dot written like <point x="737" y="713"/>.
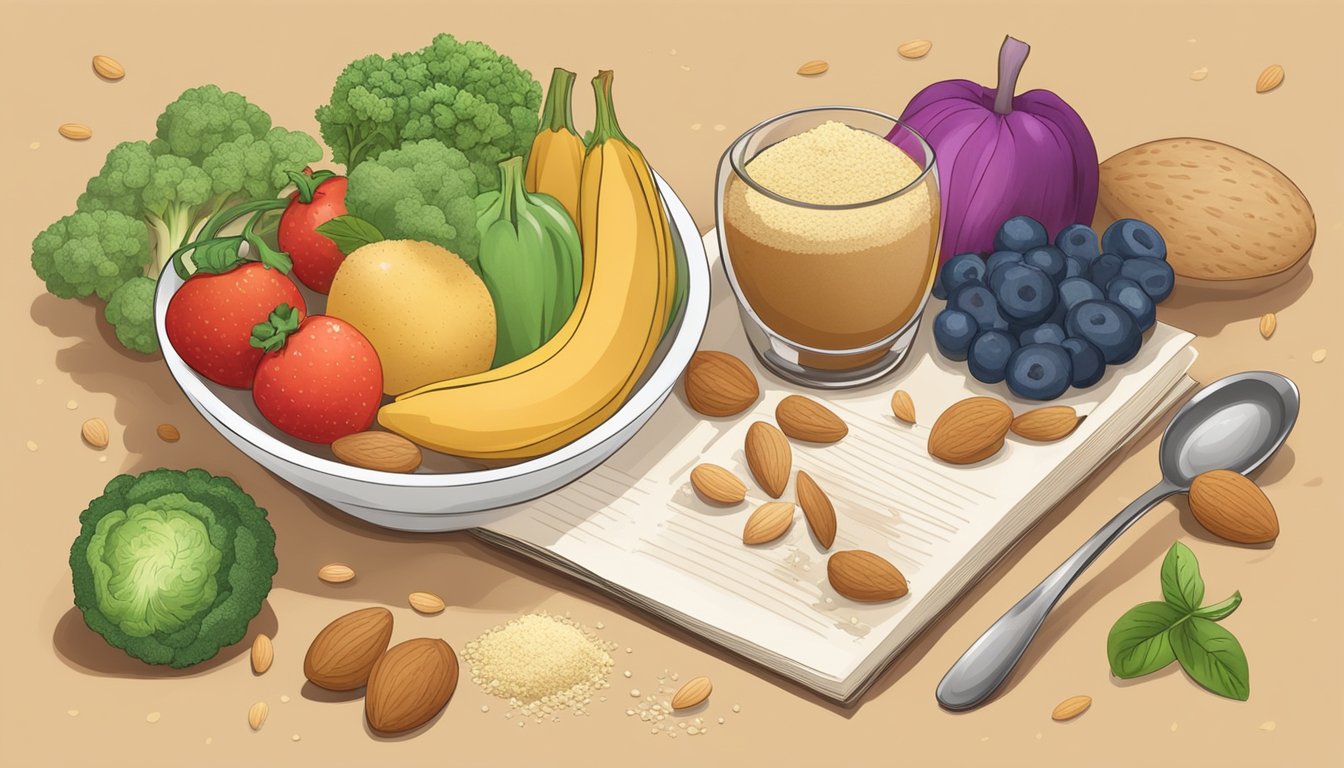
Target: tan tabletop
<point x="690" y="76"/>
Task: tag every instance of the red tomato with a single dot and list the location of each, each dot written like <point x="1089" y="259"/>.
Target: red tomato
<point x="210" y="318"/>
<point x="315" y="256"/>
<point x="324" y="383"/>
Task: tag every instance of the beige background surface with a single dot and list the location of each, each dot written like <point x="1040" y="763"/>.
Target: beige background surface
<point x="690" y="76"/>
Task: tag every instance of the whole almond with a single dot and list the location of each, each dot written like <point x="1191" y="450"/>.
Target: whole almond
<point x="336" y="573"/>
<point x="256" y="715"/>
<point x="1269" y="322"/>
<point x="263" y="653"/>
<point x="719" y="384"/>
<point x="75" y="131"/>
<point x="1230" y="505"/>
<point x="803" y="418"/>
<point x="1054" y="422"/>
<point x="1071" y="708"/>
<point x="817" y="508"/>
<point x="95" y="432"/>
<point x="382" y="451"/>
<point x="108" y="68"/>
<point x="695" y="691"/>
<point x="914" y="49"/>
<point x="971" y="430"/>
<point x="342" y="655"/>
<point x="410" y="684"/>
<point x="864" y="576"/>
<point x="426" y="602"/>
<point x="769" y="457"/>
<point x="717" y="485"/>
<point x="770" y="521"/>
<point x="168" y="433"/>
<point x="1270" y="79"/>
<point x="902" y="406"/>
<point x="813" y="67"/>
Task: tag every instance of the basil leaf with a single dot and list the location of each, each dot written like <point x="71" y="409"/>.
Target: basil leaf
<point x="1138" y="643"/>
<point x="1220" y="611"/>
<point x="1212" y="657"/>
<point x="349" y="232"/>
<point x="1182" y="586"/>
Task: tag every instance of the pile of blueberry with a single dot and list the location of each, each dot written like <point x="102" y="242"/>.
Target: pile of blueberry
<point x="1046" y="317"/>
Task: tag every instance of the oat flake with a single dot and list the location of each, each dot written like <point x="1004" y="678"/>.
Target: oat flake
<point x="152" y="717"/>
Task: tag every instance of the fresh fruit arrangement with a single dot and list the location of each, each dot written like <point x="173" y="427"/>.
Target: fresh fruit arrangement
<point x="1046" y="316"/>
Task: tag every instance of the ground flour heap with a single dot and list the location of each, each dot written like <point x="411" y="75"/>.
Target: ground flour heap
<point x="542" y="664"/>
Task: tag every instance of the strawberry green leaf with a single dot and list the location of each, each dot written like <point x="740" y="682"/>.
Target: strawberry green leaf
<point x="1182" y="586"/>
<point x="1212" y="657"/>
<point x="1138" y="643"/>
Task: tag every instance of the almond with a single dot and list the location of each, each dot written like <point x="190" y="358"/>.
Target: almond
<point x="410" y="684"/>
<point x="817" y="508"/>
<point x="719" y="384"/>
<point x="695" y="691"/>
<point x="717" y="485"/>
<point x="1270" y="79"/>
<point x="970" y="430"/>
<point x="864" y="576"/>
<point x="95" y="432"/>
<point x="343" y="653"/>
<point x="902" y="406"/>
<point x="769" y="457"/>
<point x="813" y="67"/>
<point x="1230" y="505"/>
<point x="75" y="131"/>
<point x="263" y="653"/>
<point x="1269" y="322"/>
<point x="914" y="49"/>
<point x="382" y="451"/>
<point x="336" y="573"/>
<point x="426" y="602"/>
<point x="1071" y="707"/>
<point x="803" y="418"/>
<point x="770" y="521"/>
<point x="168" y="433"/>
<point x="1054" y="422"/>
<point x="256" y="715"/>
<point x="108" y="68"/>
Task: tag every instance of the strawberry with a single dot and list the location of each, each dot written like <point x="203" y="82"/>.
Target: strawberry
<point x="319" y="378"/>
<point x="319" y="198"/>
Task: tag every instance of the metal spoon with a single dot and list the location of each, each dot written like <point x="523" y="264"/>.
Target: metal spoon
<point x="1234" y="423"/>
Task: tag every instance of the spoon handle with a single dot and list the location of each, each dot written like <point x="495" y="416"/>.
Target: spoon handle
<point x="988" y="662"/>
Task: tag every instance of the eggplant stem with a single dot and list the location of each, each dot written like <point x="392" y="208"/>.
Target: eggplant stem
<point x="1012" y="55"/>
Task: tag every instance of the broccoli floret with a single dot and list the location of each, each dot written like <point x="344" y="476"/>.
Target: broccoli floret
<point x="172" y="566"/>
<point x="423" y="191"/>
<point x="130" y="310"/>
<point x="203" y="118"/>
<point x="464" y="94"/>
<point x="90" y="253"/>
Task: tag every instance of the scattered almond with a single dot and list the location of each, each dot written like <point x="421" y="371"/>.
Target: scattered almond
<point x="336" y="573"/>
<point x="168" y="433"/>
<point x="817" y="509"/>
<point x="717" y="485"/>
<point x="1054" y="422"/>
<point x="75" y="131"/>
<point x="1230" y="505"/>
<point x="914" y="49"/>
<point x="695" y="691"/>
<point x="108" y="68"/>
<point x="719" y="384"/>
<point x="1199" y="74"/>
<point x="343" y="654"/>
<point x="426" y="602"/>
<point x="1071" y="708"/>
<point x="1269" y="322"/>
<point x="1270" y="79"/>
<point x="263" y="653"/>
<point x="770" y="521"/>
<point x="803" y="418"/>
<point x="864" y="576"/>
<point x="410" y="684"/>
<point x="769" y="457"/>
<point x="971" y="430"/>
<point x="813" y="67"/>
<point x="902" y="406"/>
<point x="382" y="451"/>
<point x="95" y="432"/>
<point x="257" y="715"/>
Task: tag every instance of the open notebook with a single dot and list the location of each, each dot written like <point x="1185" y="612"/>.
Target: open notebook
<point x="635" y="528"/>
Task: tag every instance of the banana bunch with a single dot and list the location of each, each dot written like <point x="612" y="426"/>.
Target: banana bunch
<point x="584" y="373"/>
<point x="555" y="162"/>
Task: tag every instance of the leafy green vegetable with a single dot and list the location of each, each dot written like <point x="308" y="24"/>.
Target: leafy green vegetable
<point x="349" y="233"/>
<point x="130" y="310"/>
<point x="1150" y="636"/>
<point x="171" y="566"/>
<point x="422" y="191"/>
<point x="89" y="253"/>
<point x="464" y="94"/>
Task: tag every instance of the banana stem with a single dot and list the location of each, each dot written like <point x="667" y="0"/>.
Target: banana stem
<point x="557" y="114"/>
<point x="605" y="127"/>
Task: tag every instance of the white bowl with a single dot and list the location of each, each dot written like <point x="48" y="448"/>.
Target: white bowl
<point x="429" y="500"/>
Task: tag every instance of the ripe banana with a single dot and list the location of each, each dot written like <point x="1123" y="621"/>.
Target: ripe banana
<point x="579" y="378"/>
<point x="554" y="165"/>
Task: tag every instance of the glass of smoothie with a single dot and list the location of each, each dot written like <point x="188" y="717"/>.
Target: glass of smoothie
<point x="829" y="238"/>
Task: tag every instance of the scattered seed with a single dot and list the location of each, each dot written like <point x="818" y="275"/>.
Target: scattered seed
<point x="75" y="131"/>
<point x="1039" y="734"/>
<point x="1318" y="356"/>
<point x="1173" y="726"/>
<point x="1268" y="725"/>
<point x="336" y="573"/>
<point x="295" y="737"/>
<point x="168" y="433"/>
<point x="629" y="649"/>
<point x="72" y="405"/>
<point x="696" y="126"/>
<point x="94" y="431"/>
<point x="720" y="127"/>
<point x="1199" y="74"/>
<point x="284" y="698"/>
<point x="737" y="707"/>
<point x="102" y="459"/>
<point x="32" y="446"/>
<point x="35" y="145"/>
<point x="1071" y="707"/>
<point x="152" y="717"/>
<point x="627" y="673"/>
<point x="209" y="740"/>
<point x="673" y="52"/>
<point x="600" y="625"/>
<point x="634" y="693"/>
<point x="914" y="49"/>
<point x="813" y="68"/>
<point x="1269" y="79"/>
<point x="485" y="707"/>
<point x="256" y="716"/>
<point x="1268" y="322"/>
<point x="692" y="730"/>
<point x="72" y="712"/>
<point x="426" y="602"/>
<point x="720" y="721"/>
<point x="685" y="68"/>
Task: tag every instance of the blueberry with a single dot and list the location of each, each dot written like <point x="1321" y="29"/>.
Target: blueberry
<point x="989" y="356"/>
<point x="1075" y="267"/>
<point x="1039" y="371"/>
<point x="1002" y="257"/>
<point x="1130" y="295"/>
<point x="959" y="269"/>
<point x="937" y="288"/>
<point x="1133" y="239"/>
<point x="1088" y="367"/>
<point x="1154" y="276"/>
<point x="953" y="331"/>
<point x="1025" y="294"/>
<point x="1079" y="241"/>
<point x="977" y="301"/>
<point x="1020" y="234"/>
<point x="1049" y="260"/>
<point x="1045" y="333"/>
<point x="1104" y="269"/>
<point x="1075" y="290"/>
<point x="1108" y="327"/>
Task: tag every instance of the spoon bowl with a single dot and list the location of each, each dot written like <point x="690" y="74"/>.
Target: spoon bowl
<point x="1236" y="424"/>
